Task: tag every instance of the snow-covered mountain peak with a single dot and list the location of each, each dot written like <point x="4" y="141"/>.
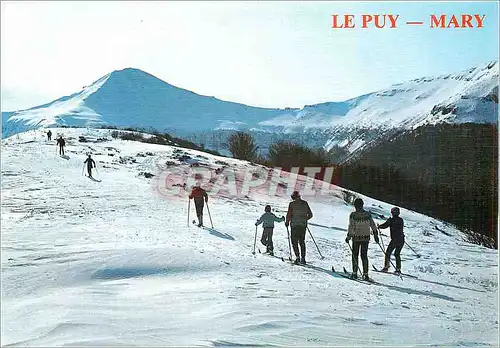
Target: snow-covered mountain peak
<point x="132" y="77"/>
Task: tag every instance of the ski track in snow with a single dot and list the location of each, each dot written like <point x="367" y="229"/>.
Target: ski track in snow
<point x="115" y="263"/>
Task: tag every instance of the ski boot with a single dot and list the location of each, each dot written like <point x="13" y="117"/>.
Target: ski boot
<point x="365" y="277"/>
<point x="303" y="261"/>
<point x="353" y="275"/>
<point x="297" y="261"/>
<point x="385" y="269"/>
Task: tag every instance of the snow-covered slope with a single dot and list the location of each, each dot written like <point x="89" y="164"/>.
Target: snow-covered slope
<point x="115" y="261"/>
<point x="133" y="98"/>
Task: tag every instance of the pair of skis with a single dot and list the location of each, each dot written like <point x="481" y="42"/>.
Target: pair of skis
<point x="399" y="274"/>
<point x="347" y="275"/>
<point x="275" y="256"/>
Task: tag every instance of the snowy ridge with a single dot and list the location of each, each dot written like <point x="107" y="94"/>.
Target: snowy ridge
<point x="468" y="96"/>
<point x="115" y="261"/>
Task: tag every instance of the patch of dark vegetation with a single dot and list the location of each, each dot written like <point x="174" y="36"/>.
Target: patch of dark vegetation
<point x="447" y="171"/>
<point x="142" y="135"/>
<point x="127" y="160"/>
<point x="147" y="175"/>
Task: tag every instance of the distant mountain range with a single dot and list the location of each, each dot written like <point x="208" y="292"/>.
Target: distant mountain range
<point x="134" y="98"/>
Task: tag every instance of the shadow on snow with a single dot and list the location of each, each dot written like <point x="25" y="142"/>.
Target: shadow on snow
<point x="216" y="233"/>
<point x="391" y="287"/>
<point x="448" y="285"/>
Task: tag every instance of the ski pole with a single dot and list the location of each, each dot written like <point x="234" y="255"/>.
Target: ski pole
<point x="389" y="256"/>
<point x="208" y="209"/>
<point x="322" y="257"/>
<point x="254" y="240"/>
<point x="352" y="253"/>
<point x="189" y="206"/>
<point x="289" y="244"/>
<point x="380" y="235"/>
<point x="412" y="249"/>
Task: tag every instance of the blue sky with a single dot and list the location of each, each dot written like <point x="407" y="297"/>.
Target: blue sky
<point x="272" y="54"/>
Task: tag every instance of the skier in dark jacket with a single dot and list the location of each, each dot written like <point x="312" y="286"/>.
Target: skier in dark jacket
<point x="298" y="214"/>
<point x="61" y="143"/>
<point x="267" y="220"/>
<point x="49" y="135"/>
<point x="395" y="223"/>
<point x="90" y="164"/>
<point x="360" y="224"/>
<point x="200" y="197"/>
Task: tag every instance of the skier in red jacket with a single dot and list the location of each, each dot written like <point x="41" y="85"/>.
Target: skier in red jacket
<point x="200" y="197"/>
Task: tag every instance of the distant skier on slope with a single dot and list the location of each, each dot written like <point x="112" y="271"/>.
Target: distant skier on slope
<point x="200" y="197"/>
<point x="90" y="164"/>
<point x="360" y="222"/>
<point x="267" y="220"/>
<point x="49" y="135"/>
<point x="61" y="143"/>
<point x="397" y="239"/>
<point x="297" y="215"/>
